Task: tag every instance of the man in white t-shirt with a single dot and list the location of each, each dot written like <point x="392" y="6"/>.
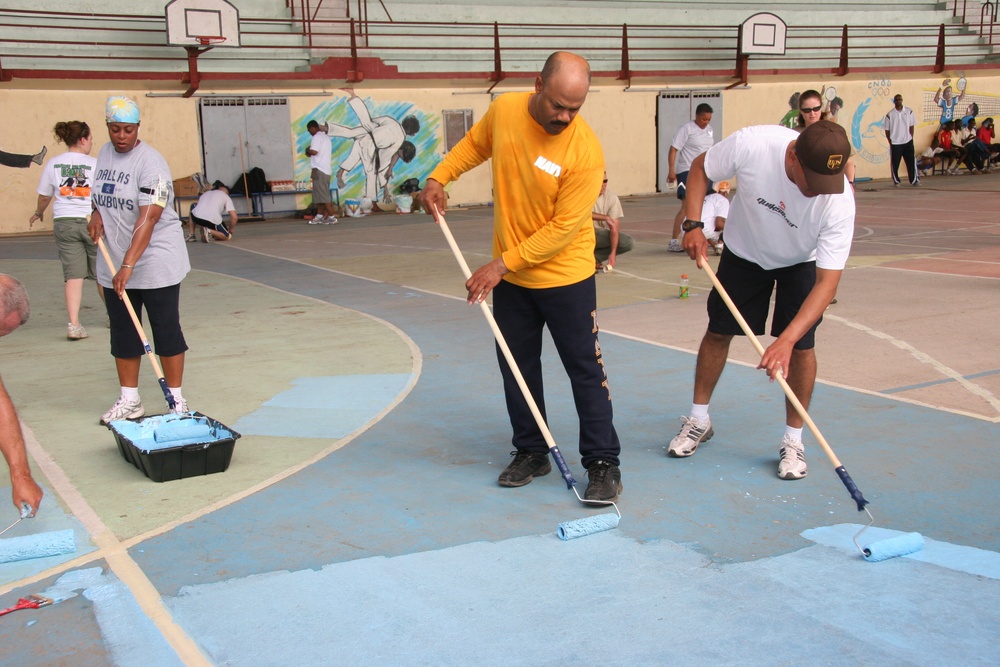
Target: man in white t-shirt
<point x="208" y="212"/>
<point x="610" y="242"/>
<point x="320" y="154"/>
<point x="689" y="141"/>
<point x="898" y="125"/>
<point x="790" y="225"/>
<point x="714" y="211"/>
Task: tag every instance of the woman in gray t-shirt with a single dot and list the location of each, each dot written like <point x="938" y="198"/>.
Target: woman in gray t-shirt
<point x="133" y="211"/>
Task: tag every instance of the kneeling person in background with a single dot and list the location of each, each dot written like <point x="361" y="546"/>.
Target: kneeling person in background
<point x="208" y="212"/>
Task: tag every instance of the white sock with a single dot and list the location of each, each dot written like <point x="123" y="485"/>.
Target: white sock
<point x="699" y="412"/>
<point x="131" y="394"/>
<point x="176" y="392"/>
<point x="793" y="433"/>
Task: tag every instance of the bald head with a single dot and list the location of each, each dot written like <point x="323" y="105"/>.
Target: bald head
<point x="14" y="307"/>
<point x="560" y="91"/>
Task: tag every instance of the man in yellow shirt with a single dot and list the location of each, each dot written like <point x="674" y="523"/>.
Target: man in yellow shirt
<point x="547" y="171"/>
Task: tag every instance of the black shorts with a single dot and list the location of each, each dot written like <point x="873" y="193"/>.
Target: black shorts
<point x="682" y="179"/>
<point x="750" y="286"/>
<point x="163" y="308"/>
<point x="210" y="225"/>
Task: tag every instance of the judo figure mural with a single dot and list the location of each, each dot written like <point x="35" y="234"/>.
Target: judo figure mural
<point x="376" y="146"/>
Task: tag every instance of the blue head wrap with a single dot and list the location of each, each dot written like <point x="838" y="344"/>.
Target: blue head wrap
<point x="121" y="109"/>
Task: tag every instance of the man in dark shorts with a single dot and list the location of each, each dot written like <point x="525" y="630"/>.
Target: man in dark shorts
<point x="790" y="225"/>
<point x="208" y="212"/>
<point x="689" y="141"/>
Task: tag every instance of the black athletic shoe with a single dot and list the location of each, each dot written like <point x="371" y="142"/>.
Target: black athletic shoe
<point x="605" y="481"/>
<point x="524" y="468"/>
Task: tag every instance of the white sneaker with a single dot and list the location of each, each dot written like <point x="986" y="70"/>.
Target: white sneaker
<point x="692" y="434"/>
<point x="317" y="220"/>
<point x="793" y="459"/>
<point x="190" y="238"/>
<point x="75" y="332"/>
<point x="206" y="236"/>
<point x="675" y="246"/>
<point x="180" y="407"/>
<point x="123" y="409"/>
<point x="719" y="247"/>
<point x="329" y="221"/>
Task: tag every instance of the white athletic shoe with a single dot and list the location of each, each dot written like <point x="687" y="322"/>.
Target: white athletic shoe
<point x="329" y="221"/>
<point x="317" y="220"/>
<point x="793" y="459"/>
<point x="675" y="246"/>
<point x="75" y="332"/>
<point x="123" y="409"/>
<point x="692" y="434"/>
<point x="180" y="407"/>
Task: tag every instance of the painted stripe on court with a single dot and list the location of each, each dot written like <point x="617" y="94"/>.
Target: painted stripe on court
<point x="925" y="358"/>
<point x="126" y="569"/>
<point x="933" y="383"/>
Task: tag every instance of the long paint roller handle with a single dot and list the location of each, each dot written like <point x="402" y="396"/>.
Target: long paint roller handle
<point x="564" y="470"/>
<point x="852" y="488"/>
<point x="139" y="330"/>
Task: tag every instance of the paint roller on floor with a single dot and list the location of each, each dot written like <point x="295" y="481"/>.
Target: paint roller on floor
<point x="40" y="545"/>
<point x="880" y="550"/>
<point x="570" y="529"/>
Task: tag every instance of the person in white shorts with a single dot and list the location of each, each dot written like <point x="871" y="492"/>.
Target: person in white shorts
<point x="790" y="226"/>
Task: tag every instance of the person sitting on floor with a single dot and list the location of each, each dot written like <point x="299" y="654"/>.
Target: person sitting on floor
<point x="715" y="210"/>
<point x="208" y="212"/>
<point x="610" y="241"/>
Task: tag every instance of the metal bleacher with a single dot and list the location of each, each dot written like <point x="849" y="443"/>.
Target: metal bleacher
<point x="472" y="38"/>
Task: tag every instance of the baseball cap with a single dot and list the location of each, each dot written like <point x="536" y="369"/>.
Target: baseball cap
<point x="823" y="149"/>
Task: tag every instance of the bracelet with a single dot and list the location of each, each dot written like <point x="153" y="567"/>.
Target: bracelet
<point x="128" y="266"/>
<point x="38" y="214"/>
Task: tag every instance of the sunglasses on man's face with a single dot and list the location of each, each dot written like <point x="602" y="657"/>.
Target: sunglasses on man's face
<point x="811" y="109"/>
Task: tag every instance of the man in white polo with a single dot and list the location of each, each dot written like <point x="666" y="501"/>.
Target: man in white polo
<point x="898" y="125"/>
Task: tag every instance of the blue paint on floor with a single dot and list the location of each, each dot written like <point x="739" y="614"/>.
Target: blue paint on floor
<point x="957" y="557"/>
<point x="921" y="385"/>
<point x="324" y="407"/>
<point x="604" y="599"/>
<point x="128" y="634"/>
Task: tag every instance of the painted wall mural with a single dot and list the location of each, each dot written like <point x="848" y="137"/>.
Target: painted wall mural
<point x="377" y="146"/>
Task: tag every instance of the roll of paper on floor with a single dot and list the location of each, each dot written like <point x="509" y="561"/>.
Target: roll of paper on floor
<point x="901" y="545"/>
<point x="569" y="530"/>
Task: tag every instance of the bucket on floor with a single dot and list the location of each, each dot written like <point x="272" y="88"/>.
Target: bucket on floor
<point x="352" y="207"/>
<point x="197" y="446"/>
<point x="404" y="203"/>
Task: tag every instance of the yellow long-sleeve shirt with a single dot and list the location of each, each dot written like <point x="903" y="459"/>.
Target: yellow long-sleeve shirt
<point x="544" y="189"/>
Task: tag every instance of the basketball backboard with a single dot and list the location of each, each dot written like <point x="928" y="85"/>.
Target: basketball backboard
<point x="202" y="23"/>
<point x="763" y="34"/>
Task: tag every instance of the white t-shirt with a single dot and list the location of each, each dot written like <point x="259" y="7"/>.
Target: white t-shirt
<point x="770" y="221"/>
<point x="324" y="148"/>
<point x="608" y="204"/>
<point x="68" y="178"/>
<point x="212" y="205"/>
<point x="715" y="206"/>
<point x="690" y="142"/>
<point x="899" y="123"/>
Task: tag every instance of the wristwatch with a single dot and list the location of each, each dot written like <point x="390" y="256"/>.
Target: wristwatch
<point x="689" y="225"/>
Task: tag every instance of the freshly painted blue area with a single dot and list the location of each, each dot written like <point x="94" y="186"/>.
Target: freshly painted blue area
<point x="324" y="407"/>
<point x="957" y="557"/>
<point x="424" y="477"/>
<point x="50" y="520"/>
<point x="921" y="385"/>
<point x="38" y="545"/>
<point x="129" y="636"/>
<point x="606" y="599"/>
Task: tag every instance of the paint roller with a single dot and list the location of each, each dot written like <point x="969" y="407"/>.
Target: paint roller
<point x="53" y="543"/>
<point x="880" y="550"/>
<point x="570" y="529"/>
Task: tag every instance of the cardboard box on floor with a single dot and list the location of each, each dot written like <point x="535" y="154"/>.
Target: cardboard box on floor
<point x="186" y="187"/>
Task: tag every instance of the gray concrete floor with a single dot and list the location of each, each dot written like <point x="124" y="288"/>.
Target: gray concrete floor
<point x="360" y="522"/>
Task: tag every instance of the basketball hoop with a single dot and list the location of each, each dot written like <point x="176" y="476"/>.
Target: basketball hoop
<point x="209" y="40"/>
